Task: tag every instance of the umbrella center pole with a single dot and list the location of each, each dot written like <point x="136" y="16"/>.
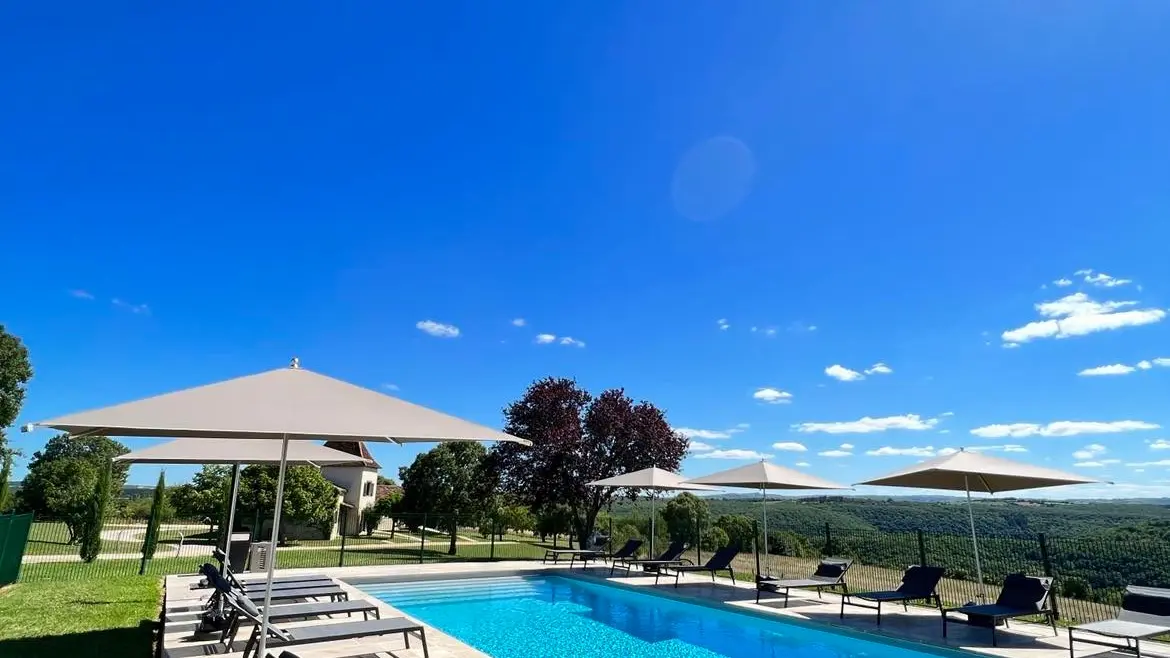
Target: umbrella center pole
<point x="974" y="539"/>
<point x="263" y="643"/>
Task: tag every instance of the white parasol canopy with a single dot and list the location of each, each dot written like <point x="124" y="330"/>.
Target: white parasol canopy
<point x="976" y="471"/>
<point x="764" y="475"/>
<point x="286" y="404"/>
<point x="653" y="478"/>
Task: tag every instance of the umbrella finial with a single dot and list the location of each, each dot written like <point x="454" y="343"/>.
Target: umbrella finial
<point x="295" y="364"/>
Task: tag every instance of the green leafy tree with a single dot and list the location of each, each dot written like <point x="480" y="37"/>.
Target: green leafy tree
<point x="739" y="529"/>
<point x="63" y="475"/>
<point x="714" y="539"/>
<point x="150" y="542"/>
<point x="95" y="515"/>
<point x="15" y="371"/>
<point x="309" y="499"/>
<point x="684" y="515"/>
<point x="446" y="480"/>
<point x="382" y="508"/>
<point x="6" y="457"/>
<point x="576" y="439"/>
<point x="203" y="497"/>
<point x="554" y="520"/>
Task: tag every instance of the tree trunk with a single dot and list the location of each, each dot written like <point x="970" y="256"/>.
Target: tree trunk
<point x="454" y="523"/>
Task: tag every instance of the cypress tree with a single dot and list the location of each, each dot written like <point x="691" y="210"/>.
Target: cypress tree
<point x="91" y="536"/>
<point x="5" y="474"/>
<point x="150" y="542"/>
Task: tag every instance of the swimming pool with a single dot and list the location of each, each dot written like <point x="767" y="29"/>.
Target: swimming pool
<point x="565" y="617"/>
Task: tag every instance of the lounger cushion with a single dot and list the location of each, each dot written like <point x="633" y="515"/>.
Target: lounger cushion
<point x="304" y="593"/>
<point x="1119" y="628"/>
<point x="884" y="596"/>
<point x="1022" y="592"/>
<point x="349" y="630"/>
<point x="996" y="610"/>
<point x="794" y="583"/>
<point x="919" y="580"/>
<point x="832" y="570"/>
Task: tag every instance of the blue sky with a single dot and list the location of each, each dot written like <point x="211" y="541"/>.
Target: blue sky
<point x="723" y="203"/>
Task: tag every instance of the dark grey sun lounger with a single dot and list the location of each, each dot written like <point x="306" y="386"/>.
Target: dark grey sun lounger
<point x="555" y="554"/>
<point x="352" y="630"/>
<point x="1145" y="613"/>
<point x="671" y="556"/>
<point x="244" y="582"/>
<point x="627" y="551"/>
<point x="830" y="574"/>
<point x="282" y="613"/>
<point x="720" y="561"/>
<point x="1021" y="596"/>
<point x="918" y="584"/>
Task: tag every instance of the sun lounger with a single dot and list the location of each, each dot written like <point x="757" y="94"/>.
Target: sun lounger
<point x="280" y="592"/>
<point x="244" y="582"/>
<point x="918" y="584"/>
<point x="720" y="561"/>
<point x="627" y="551"/>
<point x="830" y="574"/>
<point x="1021" y="596"/>
<point x="671" y="556"/>
<point x="283" y="613"/>
<point x="555" y="554"/>
<point x="1145" y="613"/>
<point x="352" y="630"/>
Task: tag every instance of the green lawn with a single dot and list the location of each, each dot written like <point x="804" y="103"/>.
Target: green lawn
<point x="79" y="619"/>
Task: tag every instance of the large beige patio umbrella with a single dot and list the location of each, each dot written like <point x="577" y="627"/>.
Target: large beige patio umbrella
<point x="764" y="475"/>
<point x="654" y="479"/>
<point x="286" y="404"/>
<point x="238" y="452"/>
<point x="971" y="470"/>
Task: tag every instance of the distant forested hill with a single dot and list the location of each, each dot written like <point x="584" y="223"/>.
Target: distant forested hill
<point x="994" y="517"/>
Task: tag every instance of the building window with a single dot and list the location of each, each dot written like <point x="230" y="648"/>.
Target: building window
<point x="368" y="489"/>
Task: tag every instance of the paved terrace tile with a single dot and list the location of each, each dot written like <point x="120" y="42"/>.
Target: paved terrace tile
<point x="918" y="624"/>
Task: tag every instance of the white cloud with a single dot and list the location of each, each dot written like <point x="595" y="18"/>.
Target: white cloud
<point x="803" y="464"/>
<point x="545" y="339"/>
<point x="789" y="446"/>
<point x="137" y="309"/>
<point x="1115" y="369"/>
<point x="943" y="452"/>
<point x="1159" y="444"/>
<point x="1089" y="464"/>
<point x="1091" y="451"/>
<point x="1122" y="369"/>
<point x="879" y="368"/>
<point x="1011" y="447"/>
<point x="519" y="322"/>
<point x="770" y="331"/>
<point x="944" y="431"/>
<point x="1079" y="315"/>
<point x="1062" y="282"/>
<point x="81" y="294"/>
<point x="946" y="413"/>
<point x="867" y="425"/>
<point x="699" y="446"/>
<point x="846" y="446"/>
<point x="772" y="396"/>
<point x="841" y="373"/>
<point x="1103" y="280"/>
<point x="569" y="340"/>
<point x="1160" y="462"/>
<point x="390" y="387"/>
<point x="437" y="329"/>
<point x="1062" y="428"/>
<point x="692" y="433"/>
<point x="887" y="451"/>
<point x="742" y="426"/>
<point x="732" y="454"/>
<point x="836" y="453"/>
<point x="723" y="324"/>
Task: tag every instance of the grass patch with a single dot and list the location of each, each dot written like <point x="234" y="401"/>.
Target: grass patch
<point x="80" y="619"/>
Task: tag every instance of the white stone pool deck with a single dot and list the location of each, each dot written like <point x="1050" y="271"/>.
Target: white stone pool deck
<point x="919" y="624"/>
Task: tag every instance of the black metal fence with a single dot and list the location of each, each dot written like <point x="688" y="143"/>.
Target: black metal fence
<point x="1090" y="573"/>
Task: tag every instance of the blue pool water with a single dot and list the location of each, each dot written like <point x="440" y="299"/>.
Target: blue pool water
<point x="558" y="617"/>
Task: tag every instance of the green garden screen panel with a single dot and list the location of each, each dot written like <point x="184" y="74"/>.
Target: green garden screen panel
<point x="13" y="538"/>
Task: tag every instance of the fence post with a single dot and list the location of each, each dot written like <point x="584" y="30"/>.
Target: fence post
<point x="1048" y="571"/>
<point x="422" y="546"/>
<point x="609" y="539"/>
<point x="494" y="528"/>
<point x="921" y="549"/>
<point x="341" y="558"/>
<point x="756" y="546"/>
<point x="698" y="540"/>
<point x="828" y="540"/>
